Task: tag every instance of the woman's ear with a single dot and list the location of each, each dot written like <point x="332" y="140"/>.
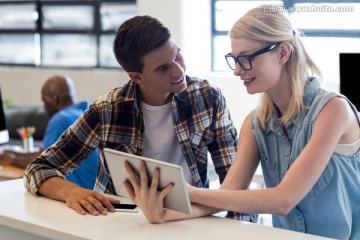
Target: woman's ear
<point x="285" y="51"/>
<point x="136" y="77"/>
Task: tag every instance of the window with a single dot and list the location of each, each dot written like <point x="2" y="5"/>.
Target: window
<point x="225" y="14"/>
<point x="330" y="27"/>
<point x="72" y="34"/>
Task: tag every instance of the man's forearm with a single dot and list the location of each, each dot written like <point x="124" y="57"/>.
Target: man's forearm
<point x="56" y="188"/>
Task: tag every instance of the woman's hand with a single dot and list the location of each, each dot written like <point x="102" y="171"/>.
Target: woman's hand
<point x="147" y="198"/>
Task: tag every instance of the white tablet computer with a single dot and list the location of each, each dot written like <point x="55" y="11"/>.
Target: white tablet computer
<point x="177" y="199"/>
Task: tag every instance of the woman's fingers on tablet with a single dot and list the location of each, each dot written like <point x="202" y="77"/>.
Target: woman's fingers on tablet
<point x="146" y="197"/>
<point x="155" y="180"/>
<point x="132" y="175"/>
<point x="166" y="190"/>
<point x="155" y="185"/>
<point x="130" y="190"/>
<point x="143" y="176"/>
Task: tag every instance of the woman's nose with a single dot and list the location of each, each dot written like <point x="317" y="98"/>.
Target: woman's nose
<point x="238" y="70"/>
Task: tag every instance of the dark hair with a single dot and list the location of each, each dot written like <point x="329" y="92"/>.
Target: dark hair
<point x="135" y="38"/>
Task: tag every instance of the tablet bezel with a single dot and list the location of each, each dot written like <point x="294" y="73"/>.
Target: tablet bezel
<point x="177" y="199"/>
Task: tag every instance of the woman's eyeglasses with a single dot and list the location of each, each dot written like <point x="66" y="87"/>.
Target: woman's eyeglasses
<point x="245" y="60"/>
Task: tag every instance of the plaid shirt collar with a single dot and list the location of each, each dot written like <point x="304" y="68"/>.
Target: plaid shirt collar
<point x="132" y="93"/>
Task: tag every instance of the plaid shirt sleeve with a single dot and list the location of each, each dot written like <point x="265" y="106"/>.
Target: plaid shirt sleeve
<point x="66" y="154"/>
<point x="246" y="217"/>
<point x="224" y="145"/>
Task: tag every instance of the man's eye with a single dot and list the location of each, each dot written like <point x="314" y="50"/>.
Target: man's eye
<point x="162" y="68"/>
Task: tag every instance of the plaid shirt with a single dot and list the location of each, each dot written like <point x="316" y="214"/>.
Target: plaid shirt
<point x="201" y="120"/>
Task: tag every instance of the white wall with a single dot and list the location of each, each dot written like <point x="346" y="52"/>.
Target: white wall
<point x="23" y="85"/>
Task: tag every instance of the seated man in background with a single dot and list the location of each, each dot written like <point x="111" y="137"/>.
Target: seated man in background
<point x="160" y="113"/>
<point x="59" y="98"/>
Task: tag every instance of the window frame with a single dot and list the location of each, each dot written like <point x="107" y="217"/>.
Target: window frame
<point x="287" y="3"/>
<point x="95" y="31"/>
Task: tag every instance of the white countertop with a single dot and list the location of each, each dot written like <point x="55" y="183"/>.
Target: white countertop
<point x="26" y="215"/>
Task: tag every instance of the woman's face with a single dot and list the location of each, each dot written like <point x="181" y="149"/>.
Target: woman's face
<point x="266" y="72"/>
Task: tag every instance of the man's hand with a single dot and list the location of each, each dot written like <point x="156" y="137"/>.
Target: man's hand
<point x="80" y="199"/>
<point x="84" y="200"/>
<point x="148" y="199"/>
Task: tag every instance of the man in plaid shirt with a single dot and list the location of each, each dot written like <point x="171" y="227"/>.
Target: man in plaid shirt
<point x="160" y="113"/>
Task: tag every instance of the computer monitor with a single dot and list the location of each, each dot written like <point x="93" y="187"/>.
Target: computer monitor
<point x="349" y="75"/>
<point x="4" y="133"/>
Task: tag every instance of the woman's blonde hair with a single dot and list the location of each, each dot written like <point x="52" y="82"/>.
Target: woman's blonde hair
<point x="275" y="27"/>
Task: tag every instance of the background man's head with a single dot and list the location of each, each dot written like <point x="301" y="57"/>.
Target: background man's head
<point x="57" y="93"/>
<point x="137" y="37"/>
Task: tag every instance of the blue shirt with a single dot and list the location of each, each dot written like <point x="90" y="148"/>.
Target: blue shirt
<point x="85" y="175"/>
<point x="332" y="206"/>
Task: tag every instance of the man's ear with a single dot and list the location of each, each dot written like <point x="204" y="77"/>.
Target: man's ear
<point x="56" y="101"/>
<point x="285" y="51"/>
<point x="136" y="77"/>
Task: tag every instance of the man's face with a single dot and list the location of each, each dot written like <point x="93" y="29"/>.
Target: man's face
<point x="163" y="74"/>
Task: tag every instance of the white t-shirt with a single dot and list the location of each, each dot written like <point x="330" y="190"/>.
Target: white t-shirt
<point x="160" y="141"/>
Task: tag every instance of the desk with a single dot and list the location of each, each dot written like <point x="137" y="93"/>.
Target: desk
<point x="24" y="216"/>
<point x="8" y="172"/>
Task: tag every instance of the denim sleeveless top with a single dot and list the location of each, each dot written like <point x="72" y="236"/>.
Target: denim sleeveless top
<point x="332" y="207"/>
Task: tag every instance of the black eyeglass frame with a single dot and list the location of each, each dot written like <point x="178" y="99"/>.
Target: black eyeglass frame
<point x="249" y="57"/>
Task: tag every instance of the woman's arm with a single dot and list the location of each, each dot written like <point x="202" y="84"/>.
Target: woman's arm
<point x="336" y="123"/>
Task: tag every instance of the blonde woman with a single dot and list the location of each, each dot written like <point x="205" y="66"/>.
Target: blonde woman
<point x="305" y="138"/>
